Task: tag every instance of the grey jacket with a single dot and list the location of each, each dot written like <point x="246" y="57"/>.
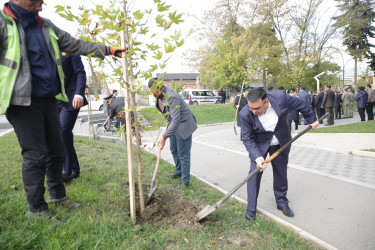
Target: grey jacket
<point x="178" y="114"/>
<point x="21" y="94"/>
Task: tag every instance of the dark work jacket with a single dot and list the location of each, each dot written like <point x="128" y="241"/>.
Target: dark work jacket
<point x="256" y="139"/>
<point x="361" y="99"/>
<point x="75" y="79"/>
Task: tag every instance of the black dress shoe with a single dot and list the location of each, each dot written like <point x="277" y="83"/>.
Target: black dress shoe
<point x="66" y="176"/>
<point x="182" y="184"/>
<point x="173" y="175"/>
<point x="286" y="211"/>
<point x="250" y="215"/>
<point x="74" y="175"/>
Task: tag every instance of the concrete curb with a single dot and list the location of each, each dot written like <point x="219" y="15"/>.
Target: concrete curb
<point x="363" y="153"/>
<point x="6" y="132"/>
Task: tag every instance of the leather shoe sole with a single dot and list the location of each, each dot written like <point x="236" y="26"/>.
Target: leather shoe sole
<point x="173" y="175"/>
<point x="286" y="211"/>
<point x="250" y="215"/>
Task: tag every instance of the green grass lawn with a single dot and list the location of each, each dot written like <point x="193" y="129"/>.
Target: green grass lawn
<point x="205" y="114"/>
<point x="360" y="127"/>
<point x="104" y="222"/>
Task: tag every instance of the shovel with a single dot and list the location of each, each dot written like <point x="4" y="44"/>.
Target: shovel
<point x="210" y="209"/>
<point x="235" y="118"/>
<point x="153" y="186"/>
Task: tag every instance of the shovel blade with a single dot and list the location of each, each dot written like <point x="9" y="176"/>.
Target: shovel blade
<point x="150" y="194"/>
<point x="205" y="212"/>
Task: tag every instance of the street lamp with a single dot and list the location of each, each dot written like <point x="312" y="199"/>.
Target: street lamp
<point x="317" y="80"/>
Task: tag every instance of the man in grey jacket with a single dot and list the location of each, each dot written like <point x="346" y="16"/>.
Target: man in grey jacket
<point x="31" y="80"/>
<point x="181" y="125"/>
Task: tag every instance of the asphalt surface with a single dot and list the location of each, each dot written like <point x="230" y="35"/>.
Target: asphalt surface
<point x="331" y="190"/>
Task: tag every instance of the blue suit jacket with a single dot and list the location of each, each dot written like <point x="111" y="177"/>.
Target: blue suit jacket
<point x="256" y="139"/>
<point x="75" y="79"/>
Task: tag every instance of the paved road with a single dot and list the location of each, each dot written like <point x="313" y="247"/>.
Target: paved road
<point x="331" y="191"/>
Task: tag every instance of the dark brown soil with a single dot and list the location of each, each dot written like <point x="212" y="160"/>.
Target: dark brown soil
<point x="166" y="206"/>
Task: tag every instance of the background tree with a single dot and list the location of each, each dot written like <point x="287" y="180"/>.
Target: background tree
<point x="356" y="23"/>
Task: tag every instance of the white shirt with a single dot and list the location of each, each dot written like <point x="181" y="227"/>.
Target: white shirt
<point x="269" y="121"/>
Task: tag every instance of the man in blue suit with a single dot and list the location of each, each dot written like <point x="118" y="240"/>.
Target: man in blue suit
<point x="265" y="130"/>
<point x="75" y="85"/>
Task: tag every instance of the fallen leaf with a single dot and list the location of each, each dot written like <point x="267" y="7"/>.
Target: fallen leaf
<point x="135" y="237"/>
<point x="186" y="240"/>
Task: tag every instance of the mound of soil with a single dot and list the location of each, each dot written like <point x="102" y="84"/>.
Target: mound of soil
<point x="166" y="206"/>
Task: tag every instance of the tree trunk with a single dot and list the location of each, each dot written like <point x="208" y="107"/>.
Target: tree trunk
<point x="94" y="79"/>
<point x="125" y="66"/>
<point x="264" y="79"/>
<point x="355" y="73"/>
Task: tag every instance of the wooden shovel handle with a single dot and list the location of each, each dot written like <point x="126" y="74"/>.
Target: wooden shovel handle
<point x="156" y="168"/>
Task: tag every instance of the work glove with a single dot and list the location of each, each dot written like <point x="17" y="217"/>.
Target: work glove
<point x="115" y="51"/>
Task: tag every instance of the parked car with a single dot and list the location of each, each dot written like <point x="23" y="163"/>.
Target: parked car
<point x="96" y="105"/>
<point x="200" y="96"/>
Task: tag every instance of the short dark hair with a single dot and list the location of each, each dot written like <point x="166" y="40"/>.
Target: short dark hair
<point x="361" y="88"/>
<point x="303" y="88"/>
<point x="152" y="82"/>
<point x="270" y="88"/>
<point x="328" y="86"/>
<point x="255" y="94"/>
<point x="114" y="91"/>
<point x="281" y="88"/>
<point x="369" y="85"/>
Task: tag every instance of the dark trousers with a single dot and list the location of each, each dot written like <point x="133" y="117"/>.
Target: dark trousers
<point x="67" y="121"/>
<point x="38" y="131"/>
<point x="320" y="112"/>
<point x="280" y="180"/>
<point x="330" y="117"/>
<point x="338" y="112"/>
<point x="370" y="111"/>
<point x="361" y="112"/>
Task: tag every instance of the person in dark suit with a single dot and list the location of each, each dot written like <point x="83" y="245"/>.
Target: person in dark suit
<point x="304" y="96"/>
<point x="318" y="104"/>
<point x="293" y="114"/>
<point x="223" y="95"/>
<point x="75" y="85"/>
<point x="338" y="104"/>
<point x="265" y="130"/>
<point x="361" y="99"/>
<point x="327" y="103"/>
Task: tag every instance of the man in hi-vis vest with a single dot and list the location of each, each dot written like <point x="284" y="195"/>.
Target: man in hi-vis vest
<point x="31" y="80"/>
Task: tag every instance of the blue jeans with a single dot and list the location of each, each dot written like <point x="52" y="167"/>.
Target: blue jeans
<point x="180" y="150"/>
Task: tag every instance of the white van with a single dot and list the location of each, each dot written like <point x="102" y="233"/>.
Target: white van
<point x="200" y="96"/>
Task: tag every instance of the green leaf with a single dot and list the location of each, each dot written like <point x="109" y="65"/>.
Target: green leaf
<point x="59" y="8"/>
<point x="169" y="48"/>
<point x="176" y="35"/>
<point x="138" y="15"/>
<point x="159" y="20"/>
<point x="175" y="18"/>
<point x="154" y="67"/>
<point x="179" y="44"/>
<point x="176" y="107"/>
<point x="167" y="25"/>
<point x="158" y="55"/>
<point x="162" y="7"/>
<point x="144" y="31"/>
